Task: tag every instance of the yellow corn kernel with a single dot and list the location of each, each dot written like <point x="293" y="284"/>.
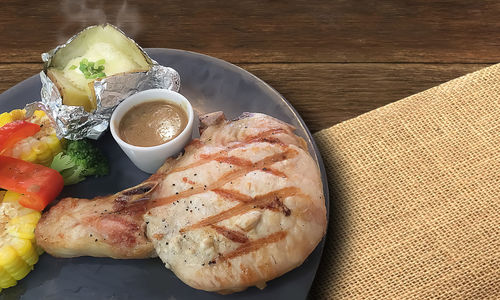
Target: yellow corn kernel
<point x="22" y="231"/>
<point x="18" y="114"/>
<point x="11" y="196"/>
<point x="24" y="226"/>
<point x="25" y="249"/>
<point x="40" y="148"/>
<point x="39" y="114"/>
<point x="13" y="263"/>
<point x="31" y="218"/>
<point x="53" y="143"/>
<point x="43" y="152"/>
<point x="28" y="156"/>
<point x="5" y="118"/>
<point x="5" y="279"/>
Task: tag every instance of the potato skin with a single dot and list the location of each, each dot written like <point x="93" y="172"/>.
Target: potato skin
<point x="70" y="94"/>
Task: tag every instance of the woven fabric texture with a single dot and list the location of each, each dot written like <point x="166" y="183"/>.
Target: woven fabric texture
<point x="415" y="197"/>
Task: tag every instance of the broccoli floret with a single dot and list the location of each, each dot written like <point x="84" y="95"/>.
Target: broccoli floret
<point x="80" y="159"/>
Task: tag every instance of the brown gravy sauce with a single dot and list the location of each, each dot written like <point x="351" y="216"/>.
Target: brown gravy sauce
<point x="152" y="123"/>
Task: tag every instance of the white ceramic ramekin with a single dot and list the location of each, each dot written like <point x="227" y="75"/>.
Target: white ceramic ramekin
<point x="149" y="159"/>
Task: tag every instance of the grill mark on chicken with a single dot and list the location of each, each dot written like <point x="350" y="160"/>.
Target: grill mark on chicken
<point x="265" y="201"/>
<point x="254" y="245"/>
<point x="274" y="172"/>
<point x="265" y="134"/>
<point x="233" y="235"/>
<point x="233" y="195"/>
<point x="233" y="160"/>
<point x="278" y="205"/>
<point x="206" y="158"/>
<point x="227" y="177"/>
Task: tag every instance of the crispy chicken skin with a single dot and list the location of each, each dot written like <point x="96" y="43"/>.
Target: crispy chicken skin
<point x="101" y="227"/>
<point x="243" y="205"/>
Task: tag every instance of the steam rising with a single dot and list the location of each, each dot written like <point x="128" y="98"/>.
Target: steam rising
<point x="80" y="14"/>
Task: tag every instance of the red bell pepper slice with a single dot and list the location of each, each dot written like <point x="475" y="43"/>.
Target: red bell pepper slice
<point x="13" y="132"/>
<point x="38" y="184"/>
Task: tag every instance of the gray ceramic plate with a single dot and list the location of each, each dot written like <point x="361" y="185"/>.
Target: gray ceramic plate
<point x="210" y="84"/>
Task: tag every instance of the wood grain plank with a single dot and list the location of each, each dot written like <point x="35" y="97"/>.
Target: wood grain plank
<point x="268" y="31"/>
<point x="324" y="94"/>
<point x="327" y="94"/>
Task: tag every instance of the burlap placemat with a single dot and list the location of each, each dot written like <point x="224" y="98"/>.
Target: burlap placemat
<point x="415" y="196"/>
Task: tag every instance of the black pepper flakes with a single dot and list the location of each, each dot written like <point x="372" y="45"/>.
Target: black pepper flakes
<point x="177" y="193"/>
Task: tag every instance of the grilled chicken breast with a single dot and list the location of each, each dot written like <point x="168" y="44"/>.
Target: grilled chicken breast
<point x="243" y="205"/>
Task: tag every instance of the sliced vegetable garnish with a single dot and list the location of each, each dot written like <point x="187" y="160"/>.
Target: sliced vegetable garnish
<point x="13" y="132"/>
<point x="38" y="184"/>
<point x="92" y="70"/>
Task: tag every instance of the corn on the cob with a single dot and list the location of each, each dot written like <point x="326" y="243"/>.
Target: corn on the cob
<point x="18" y="252"/>
<point x="40" y="148"/>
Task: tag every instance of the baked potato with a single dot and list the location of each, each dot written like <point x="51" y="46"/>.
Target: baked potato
<point x="95" y="53"/>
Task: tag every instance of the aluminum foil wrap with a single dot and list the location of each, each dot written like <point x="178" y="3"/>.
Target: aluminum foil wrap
<point x="73" y="122"/>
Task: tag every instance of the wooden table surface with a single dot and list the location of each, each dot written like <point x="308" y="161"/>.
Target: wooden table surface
<point x="333" y="60"/>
